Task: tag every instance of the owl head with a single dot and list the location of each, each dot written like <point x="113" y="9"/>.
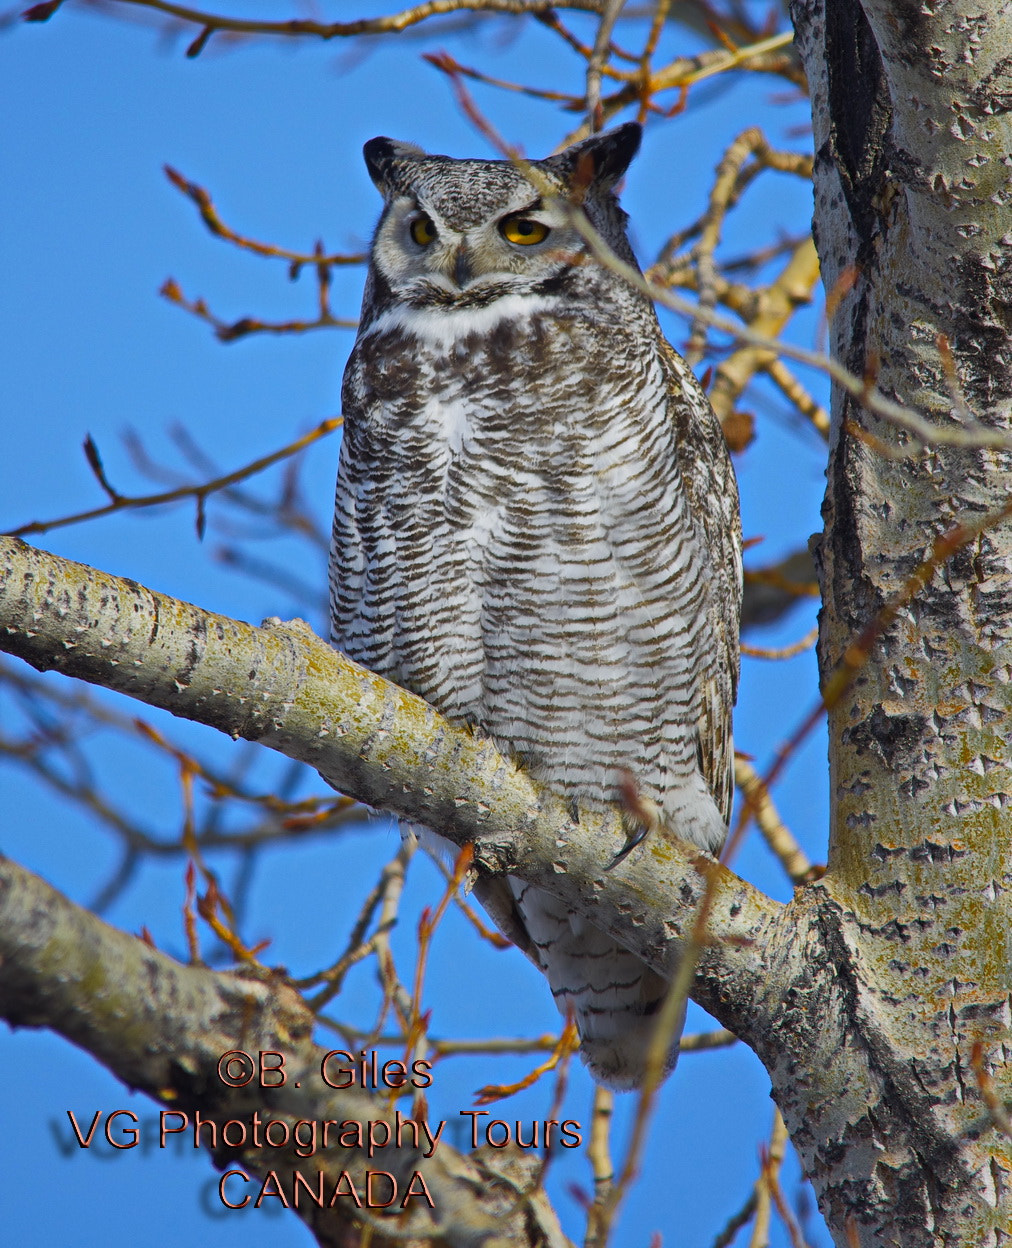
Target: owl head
<point x="463" y="233"/>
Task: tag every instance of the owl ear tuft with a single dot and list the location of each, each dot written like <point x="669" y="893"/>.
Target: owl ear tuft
<point x="599" y="161"/>
<point x="383" y="158"/>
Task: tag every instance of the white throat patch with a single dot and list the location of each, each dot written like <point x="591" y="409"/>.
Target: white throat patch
<point x="444" y="326"/>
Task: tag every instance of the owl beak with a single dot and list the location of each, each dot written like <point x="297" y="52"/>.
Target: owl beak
<point x="462" y="273"/>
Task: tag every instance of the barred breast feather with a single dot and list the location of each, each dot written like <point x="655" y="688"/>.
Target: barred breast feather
<point x="536" y="529"/>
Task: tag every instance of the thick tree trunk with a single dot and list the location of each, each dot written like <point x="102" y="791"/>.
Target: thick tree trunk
<point x="913" y="196"/>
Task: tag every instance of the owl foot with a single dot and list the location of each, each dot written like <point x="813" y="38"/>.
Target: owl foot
<point x="635" y="838"/>
<point x="641" y="813"/>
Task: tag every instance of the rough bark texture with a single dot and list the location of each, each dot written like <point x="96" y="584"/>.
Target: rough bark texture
<point x="913" y="192"/>
<point x="161" y="1027"/>
<point x="866" y="996"/>
<point x="796" y="982"/>
<point x="282" y="686"/>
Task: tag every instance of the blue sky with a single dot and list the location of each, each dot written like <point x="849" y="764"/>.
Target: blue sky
<point x="89" y="230"/>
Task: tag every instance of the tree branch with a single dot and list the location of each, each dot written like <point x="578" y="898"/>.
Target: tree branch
<point x="212" y="23"/>
<point x="282" y="686"/>
<point x="162" y="1027"/>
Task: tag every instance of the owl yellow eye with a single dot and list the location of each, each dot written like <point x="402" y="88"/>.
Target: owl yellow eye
<point x="523" y="230"/>
<point x="423" y="231"/>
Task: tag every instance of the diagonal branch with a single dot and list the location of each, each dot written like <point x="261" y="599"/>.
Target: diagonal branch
<point x="163" y="1027"/>
<point x="280" y="685"/>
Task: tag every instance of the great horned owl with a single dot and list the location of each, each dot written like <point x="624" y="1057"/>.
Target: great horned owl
<point x="536" y="525"/>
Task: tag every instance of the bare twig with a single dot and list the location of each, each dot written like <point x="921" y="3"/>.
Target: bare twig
<point x="449" y="65"/>
<point x="729" y="1232"/>
<point x="777" y="836"/>
<point x="763" y="57"/>
<point x="602" y="42"/>
<point x="988" y="1092"/>
<point x="767" y="1187"/>
<point x="669" y="1020"/>
<point x="232" y="331"/>
<point x="566" y="1044"/>
<point x="796" y="394"/>
<point x="212" y="23"/>
<point x="200" y="493"/>
<point x="209" y="215"/>
<point x="857" y="653"/>
<point x="599" y="1155"/>
<point x="783" y="652"/>
<point x="925" y="431"/>
<point x="385" y="896"/>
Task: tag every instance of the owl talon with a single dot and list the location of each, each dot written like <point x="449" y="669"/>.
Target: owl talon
<point x="636" y="838"/>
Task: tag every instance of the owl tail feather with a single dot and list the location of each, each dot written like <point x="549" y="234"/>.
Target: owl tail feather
<point x="615" y="999"/>
<point x="616" y="1046"/>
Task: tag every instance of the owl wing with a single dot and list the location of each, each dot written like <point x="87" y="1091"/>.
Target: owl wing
<point x="713" y="498"/>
